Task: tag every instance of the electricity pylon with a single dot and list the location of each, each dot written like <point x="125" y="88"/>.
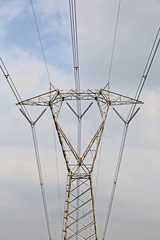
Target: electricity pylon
<point x="79" y="168"/>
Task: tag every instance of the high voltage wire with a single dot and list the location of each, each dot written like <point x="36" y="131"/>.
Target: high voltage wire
<point x="74" y="36"/>
<point x="28" y="117"/>
<point x="40" y="40"/>
<point x="49" y="79"/>
<point x="108" y="86"/>
<point x="32" y="124"/>
<point x="113" y="47"/>
<point x="146" y="70"/>
<point x="72" y="5"/>
<point x="73" y="22"/>
<point x="13" y="88"/>
<point x="41" y="181"/>
<point x="131" y="114"/>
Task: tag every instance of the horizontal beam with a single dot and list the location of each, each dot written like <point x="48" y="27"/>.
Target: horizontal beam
<point x="105" y="96"/>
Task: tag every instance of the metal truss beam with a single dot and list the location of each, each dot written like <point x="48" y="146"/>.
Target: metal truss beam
<point x="102" y="95"/>
<point x="79" y="214"/>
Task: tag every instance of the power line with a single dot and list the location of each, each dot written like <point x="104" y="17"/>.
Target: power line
<point x="73" y="22"/>
<point x="74" y="36"/>
<point x="41" y="181"/>
<point x="40" y="40"/>
<point x="131" y="114"/>
<point x="113" y="47"/>
<point x="32" y="124"/>
<point x="115" y="180"/>
<point x="13" y="88"/>
<point x="46" y="66"/>
<point x="146" y="71"/>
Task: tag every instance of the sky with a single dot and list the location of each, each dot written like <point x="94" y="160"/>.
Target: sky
<point x="135" y="211"/>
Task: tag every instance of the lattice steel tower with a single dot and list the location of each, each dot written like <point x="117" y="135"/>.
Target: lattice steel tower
<point x="79" y="212"/>
<point x="79" y="189"/>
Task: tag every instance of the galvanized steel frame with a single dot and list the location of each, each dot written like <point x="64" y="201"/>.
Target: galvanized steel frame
<point x="81" y="167"/>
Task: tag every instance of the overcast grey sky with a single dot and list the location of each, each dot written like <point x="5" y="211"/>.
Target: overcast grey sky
<point x="136" y="208"/>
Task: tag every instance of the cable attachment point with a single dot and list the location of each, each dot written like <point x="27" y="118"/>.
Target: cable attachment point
<point x="119" y="115"/>
<point x="144" y="76"/>
<point x="133" y="115"/>
<point x="32" y="123"/>
<point x="76" y="68"/>
<point x="127" y="121"/>
<point x="7" y="75"/>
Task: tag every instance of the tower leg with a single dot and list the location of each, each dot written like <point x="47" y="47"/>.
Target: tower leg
<point x="86" y="220"/>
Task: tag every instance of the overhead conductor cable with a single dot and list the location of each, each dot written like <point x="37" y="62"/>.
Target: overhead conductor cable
<point x="51" y="85"/>
<point x="41" y="44"/>
<point x="32" y="124"/>
<point x="113" y="47"/>
<point x="129" y="118"/>
<point x="73" y="22"/>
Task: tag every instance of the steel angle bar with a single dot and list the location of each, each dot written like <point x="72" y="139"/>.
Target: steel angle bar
<point x="80" y="166"/>
<point x="93" y="207"/>
<point x="100" y="129"/>
<point x="72" y="110"/>
<point x="86" y="109"/>
<point x="75" y="197"/>
<point x="62" y="135"/>
<point x="78" y="208"/>
<point x="83" y="216"/>
<point x="74" y="235"/>
<point x="90" y="237"/>
<point x="80" y="224"/>
<point x="82" y="182"/>
<point x="89" y="218"/>
<point x="39" y="99"/>
<point x="75" y="208"/>
<point x="85" y="227"/>
<point x="116" y="94"/>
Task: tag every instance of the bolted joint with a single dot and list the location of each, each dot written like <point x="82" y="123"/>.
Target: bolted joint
<point x="80" y="162"/>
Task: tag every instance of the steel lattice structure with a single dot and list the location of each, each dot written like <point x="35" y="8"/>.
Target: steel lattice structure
<point x="79" y="213"/>
<point x="79" y="168"/>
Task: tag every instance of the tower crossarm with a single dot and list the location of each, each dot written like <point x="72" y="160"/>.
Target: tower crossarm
<point x="55" y="98"/>
<point x="42" y="99"/>
<point x="103" y="96"/>
<point x="118" y="99"/>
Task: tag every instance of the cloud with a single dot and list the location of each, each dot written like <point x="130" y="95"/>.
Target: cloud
<point x="136" y="200"/>
<point x="9" y="16"/>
